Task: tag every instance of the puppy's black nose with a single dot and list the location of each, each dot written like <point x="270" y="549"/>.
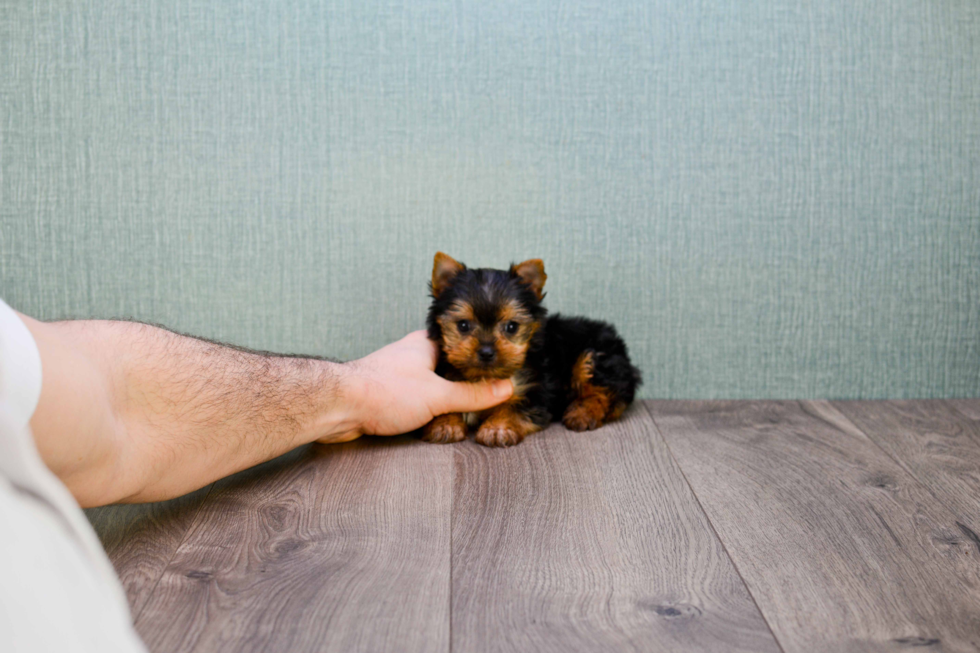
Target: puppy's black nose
<point x="486" y="353"/>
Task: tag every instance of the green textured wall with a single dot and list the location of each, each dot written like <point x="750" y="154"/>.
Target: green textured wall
<point x="771" y="199"/>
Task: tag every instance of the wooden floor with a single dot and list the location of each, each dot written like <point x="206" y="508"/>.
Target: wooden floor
<point x="687" y="526"/>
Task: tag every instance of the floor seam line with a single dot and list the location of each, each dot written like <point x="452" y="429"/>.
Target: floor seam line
<point x="711" y="525"/>
<point x="955" y="514"/>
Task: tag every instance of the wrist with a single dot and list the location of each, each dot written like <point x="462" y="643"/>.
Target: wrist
<point x="340" y="411"/>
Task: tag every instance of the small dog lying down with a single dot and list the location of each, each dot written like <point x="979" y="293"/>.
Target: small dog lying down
<point x="490" y="324"/>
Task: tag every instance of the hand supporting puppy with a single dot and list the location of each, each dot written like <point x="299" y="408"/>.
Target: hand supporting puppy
<point x="395" y="390"/>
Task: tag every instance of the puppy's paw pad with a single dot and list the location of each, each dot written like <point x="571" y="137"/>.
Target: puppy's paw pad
<point x="497" y="436"/>
<point x="580" y="418"/>
<point x="444" y="431"/>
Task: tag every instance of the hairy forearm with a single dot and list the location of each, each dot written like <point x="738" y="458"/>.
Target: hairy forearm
<point x="131" y="412"/>
<point x="179" y="412"/>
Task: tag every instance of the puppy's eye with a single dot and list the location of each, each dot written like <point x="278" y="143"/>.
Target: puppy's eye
<point x="511" y="328"/>
<point x="463" y="326"/>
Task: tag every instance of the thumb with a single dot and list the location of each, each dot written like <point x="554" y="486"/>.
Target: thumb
<point x="465" y="397"/>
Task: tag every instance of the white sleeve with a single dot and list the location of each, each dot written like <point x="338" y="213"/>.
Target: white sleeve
<point x="20" y="367"/>
<point x="58" y="591"/>
<point x="51" y="599"/>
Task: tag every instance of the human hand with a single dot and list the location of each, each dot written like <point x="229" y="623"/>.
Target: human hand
<point x="396" y="390"/>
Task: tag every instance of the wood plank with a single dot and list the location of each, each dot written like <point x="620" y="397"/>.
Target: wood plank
<point x="934" y="443"/>
<point x="967" y="407"/>
<point x="141" y="539"/>
<point x="842" y="549"/>
<point x="330" y="548"/>
<point x="590" y="542"/>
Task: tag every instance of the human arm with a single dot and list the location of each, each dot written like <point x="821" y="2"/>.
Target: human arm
<point x="131" y="412"/>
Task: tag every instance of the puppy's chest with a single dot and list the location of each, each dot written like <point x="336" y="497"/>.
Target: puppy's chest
<point x="523" y="381"/>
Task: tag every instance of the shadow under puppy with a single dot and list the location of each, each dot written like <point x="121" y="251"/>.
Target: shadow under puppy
<point x="490" y="324"/>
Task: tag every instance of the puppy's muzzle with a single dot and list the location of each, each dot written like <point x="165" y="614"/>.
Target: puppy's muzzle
<point x="486" y="354"/>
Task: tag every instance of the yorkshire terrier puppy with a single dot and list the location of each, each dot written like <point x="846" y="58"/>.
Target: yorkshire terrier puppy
<point x="490" y="324"/>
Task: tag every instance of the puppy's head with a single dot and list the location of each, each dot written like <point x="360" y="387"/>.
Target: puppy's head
<point x="485" y="320"/>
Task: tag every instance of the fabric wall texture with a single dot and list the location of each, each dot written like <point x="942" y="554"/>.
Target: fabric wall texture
<point x="770" y="199"/>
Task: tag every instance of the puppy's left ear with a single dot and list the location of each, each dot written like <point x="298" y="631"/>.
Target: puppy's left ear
<point x="531" y="273"/>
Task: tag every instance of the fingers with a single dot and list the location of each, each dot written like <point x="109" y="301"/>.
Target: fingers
<point x="469" y="397"/>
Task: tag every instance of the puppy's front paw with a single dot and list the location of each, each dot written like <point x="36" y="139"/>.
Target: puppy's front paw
<point x="445" y="429"/>
<point x="581" y="416"/>
<point x="496" y="434"/>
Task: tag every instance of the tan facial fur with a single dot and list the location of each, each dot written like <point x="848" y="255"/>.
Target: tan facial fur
<point x="461" y="348"/>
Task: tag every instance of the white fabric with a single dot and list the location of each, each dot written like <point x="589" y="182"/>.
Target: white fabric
<point x="58" y="591"/>
<point x="20" y="367"/>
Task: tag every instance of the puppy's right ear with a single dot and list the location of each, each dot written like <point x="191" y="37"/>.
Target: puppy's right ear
<point x="444" y="268"/>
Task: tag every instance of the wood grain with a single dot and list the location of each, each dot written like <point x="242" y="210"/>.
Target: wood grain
<point x="842" y="549"/>
<point x="936" y="445"/>
<point x="967" y="407"/>
<point x="340" y="548"/>
<point x="141" y="539"/>
<point x="590" y="542"/>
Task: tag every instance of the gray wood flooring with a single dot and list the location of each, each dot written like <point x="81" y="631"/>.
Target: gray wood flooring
<point x="686" y="526"/>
